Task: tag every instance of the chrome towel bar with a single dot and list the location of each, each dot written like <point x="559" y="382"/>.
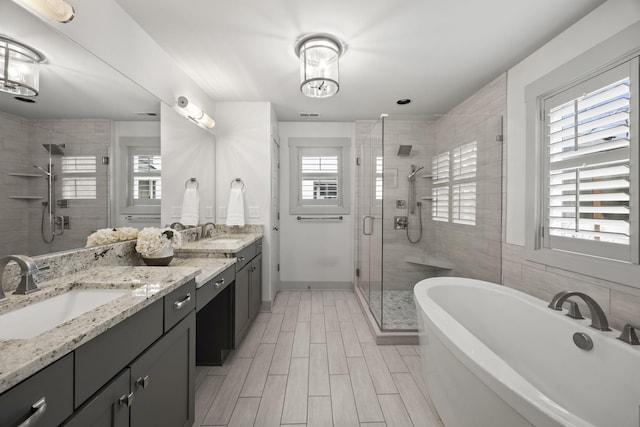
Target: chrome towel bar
<point x="314" y="218"/>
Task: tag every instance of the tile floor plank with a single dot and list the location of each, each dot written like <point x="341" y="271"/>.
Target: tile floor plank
<point x="318" y="330"/>
<point x="335" y="354"/>
<point x="304" y="310"/>
<point x="251" y="341"/>
<point x="317" y="306"/>
<point x="294" y="299"/>
<point x="343" y="405"/>
<point x="205" y="394"/>
<point x="280" y="303"/>
<point x="392" y="358"/>
<point x="338" y="296"/>
<point x="257" y="376"/>
<point x="362" y="328"/>
<point x="350" y="339"/>
<point x="363" y="391"/>
<point x="352" y="302"/>
<point x="225" y="400"/>
<point x="344" y="315"/>
<point x="301" y="340"/>
<point x="245" y="412"/>
<point x="319" y="412"/>
<point x="295" y="399"/>
<point x="414" y="363"/>
<point x="406" y="350"/>
<point x="395" y="414"/>
<point x="327" y="299"/>
<point x="272" y="330"/>
<point x="414" y="401"/>
<point x="380" y="374"/>
<point x="290" y="319"/>
<point x="270" y="410"/>
<point x="282" y="354"/>
<point x="318" y="371"/>
<point x="331" y="321"/>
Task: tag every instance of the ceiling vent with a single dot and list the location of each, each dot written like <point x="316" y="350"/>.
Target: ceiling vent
<point x="147" y="114"/>
<point x="308" y="115"/>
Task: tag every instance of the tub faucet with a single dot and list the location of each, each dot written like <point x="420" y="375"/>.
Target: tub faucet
<point x="628" y="334"/>
<point x="28" y="268"/>
<point x="598" y="318"/>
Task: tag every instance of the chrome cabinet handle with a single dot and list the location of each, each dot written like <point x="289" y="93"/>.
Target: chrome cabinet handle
<point x="38" y="409"/>
<point x="143" y="381"/>
<point x="184" y="301"/>
<point x="126" y="399"/>
<point x="242" y="258"/>
<point x="219" y="283"/>
<point x="276" y="228"/>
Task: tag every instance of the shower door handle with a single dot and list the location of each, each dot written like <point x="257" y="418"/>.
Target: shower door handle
<point x="364" y="225"/>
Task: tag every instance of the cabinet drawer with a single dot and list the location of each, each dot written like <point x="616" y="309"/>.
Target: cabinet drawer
<point x="178" y="304"/>
<point x="245" y="255"/>
<point x="99" y="360"/>
<point x="213" y="287"/>
<point x="54" y="383"/>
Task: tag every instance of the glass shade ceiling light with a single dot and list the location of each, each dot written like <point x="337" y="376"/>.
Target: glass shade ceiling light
<point x="58" y="10"/>
<point x="19" y="68"/>
<point x="195" y="113"/>
<point x="319" y="55"/>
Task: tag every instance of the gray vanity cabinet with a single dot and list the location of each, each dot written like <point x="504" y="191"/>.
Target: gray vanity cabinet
<point x="54" y="384"/>
<point x="248" y="288"/>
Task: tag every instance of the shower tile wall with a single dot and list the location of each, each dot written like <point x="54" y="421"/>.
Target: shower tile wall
<point x="14" y="224"/>
<point x="475" y="250"/>
<point x="21" y="146"/>
<point x="82" y="137"/>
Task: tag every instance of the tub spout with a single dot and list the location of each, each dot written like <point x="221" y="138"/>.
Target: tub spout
<point x="598" y="318"/>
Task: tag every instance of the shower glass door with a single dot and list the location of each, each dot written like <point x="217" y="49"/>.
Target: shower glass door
<point x="370" y="214"/>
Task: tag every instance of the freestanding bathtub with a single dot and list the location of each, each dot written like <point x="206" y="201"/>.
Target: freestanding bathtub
<point x="496" y="357"/>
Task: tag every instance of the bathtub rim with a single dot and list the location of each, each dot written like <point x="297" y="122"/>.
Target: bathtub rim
<point x="494" y="372"/>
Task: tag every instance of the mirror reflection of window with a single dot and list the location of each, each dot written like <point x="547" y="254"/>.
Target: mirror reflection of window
<point x="78" y="177"/>
<point x="145" y="185"/>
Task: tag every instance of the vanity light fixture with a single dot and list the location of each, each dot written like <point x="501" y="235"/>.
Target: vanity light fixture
<point x="196" y="114"/>
<point x="319" y="55"/>
<point x="58" y="10"/>
<point x="19" y="68"/>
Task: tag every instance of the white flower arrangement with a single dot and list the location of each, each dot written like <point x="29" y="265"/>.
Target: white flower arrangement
<point x="152" y="240"/>
<point x="112" y="235"/>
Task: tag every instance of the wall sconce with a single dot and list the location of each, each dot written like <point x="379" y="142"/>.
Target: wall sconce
<point x="196" y="114"/>
<point x="319" y="64"/>
<point x="58" y="10"/>
<point x="19" y="68"/>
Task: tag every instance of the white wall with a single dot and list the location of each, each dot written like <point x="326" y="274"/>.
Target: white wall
<point x="188" y="151"/>
<point x="596" y="27"/>
<point x="317" y="253"/>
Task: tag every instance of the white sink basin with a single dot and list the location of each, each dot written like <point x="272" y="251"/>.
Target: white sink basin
<point x="34" y="319"/>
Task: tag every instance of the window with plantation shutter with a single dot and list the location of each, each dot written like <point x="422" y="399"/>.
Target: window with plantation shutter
<point x="588" y="165"/>
<point x="145" y="181"/>
<point x="319" y="184"/>
<point x="463" y="197"/>
<point x="440" y="190"/>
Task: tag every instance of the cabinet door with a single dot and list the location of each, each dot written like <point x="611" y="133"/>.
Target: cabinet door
<point x="163" y="379"/>
<point x="54" y="384"/>
<point x="241" y="318"/>
<point x="107" y="408"/>
<point x="256" y="285"/>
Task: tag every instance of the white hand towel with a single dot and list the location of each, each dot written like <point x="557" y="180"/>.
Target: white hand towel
<point x="235" y="209"/>
<point x="190" y="207"/>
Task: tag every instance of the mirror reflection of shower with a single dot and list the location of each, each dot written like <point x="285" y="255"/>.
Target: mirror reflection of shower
<point x="411" y="202"/>
<point x="54" y="224"/>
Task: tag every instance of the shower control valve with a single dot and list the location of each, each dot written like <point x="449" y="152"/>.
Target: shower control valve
<point x="400" y="222"/>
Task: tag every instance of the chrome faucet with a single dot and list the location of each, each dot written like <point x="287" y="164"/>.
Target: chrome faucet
<point x="208" y="233"/>
<point x="177" y="226"/>
<point x="28" y="268"/>
<point x="598" y="318"/>
<point x="628" y="335"/>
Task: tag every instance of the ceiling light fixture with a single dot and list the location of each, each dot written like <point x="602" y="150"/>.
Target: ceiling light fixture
<point x="58" y="10"/>
<point x="19" y="68"/>
<point x="319" y="55"/>
<point x="196" y="114"/>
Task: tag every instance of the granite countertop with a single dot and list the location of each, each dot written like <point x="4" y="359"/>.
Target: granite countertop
<point x="219" y="245"/>
<point x="20" y="358"/>
<point x="210" y="267"/>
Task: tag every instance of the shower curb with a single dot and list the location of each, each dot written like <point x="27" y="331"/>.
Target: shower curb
<point x="383" y="337"/>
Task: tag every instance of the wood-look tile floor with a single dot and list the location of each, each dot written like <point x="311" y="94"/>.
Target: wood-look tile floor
<point x="313" y="362"/>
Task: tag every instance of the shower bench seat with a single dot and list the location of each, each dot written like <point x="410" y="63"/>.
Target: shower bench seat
<point x="429" y="261"/>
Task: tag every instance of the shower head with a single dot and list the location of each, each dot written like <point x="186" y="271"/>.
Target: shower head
<point x="404" y="150"/>
<point x="412" y="175"/>
<point x="54" y="149"/>
<point x="43" y="170"/>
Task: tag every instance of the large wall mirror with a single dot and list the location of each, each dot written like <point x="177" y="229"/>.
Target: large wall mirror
<point x="89" y="130"/>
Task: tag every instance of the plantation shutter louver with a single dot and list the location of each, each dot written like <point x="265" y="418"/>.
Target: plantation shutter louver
<point x="464" y="168"/>
<point x="588" y="188"/>
<point x="319" y="176"/>
<point x="440" y="191"/>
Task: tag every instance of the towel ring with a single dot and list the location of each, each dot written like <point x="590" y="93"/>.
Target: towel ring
<point x="238" y="180"/>
<point x="190" y="180"/>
